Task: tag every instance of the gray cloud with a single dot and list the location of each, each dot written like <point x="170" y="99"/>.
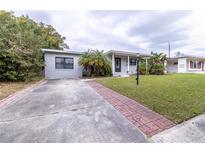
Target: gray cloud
<point x="200" y="49"/>
<point x="161" y="29"/>
<point x="125" y="30"/>
<point x="158" y="22"/>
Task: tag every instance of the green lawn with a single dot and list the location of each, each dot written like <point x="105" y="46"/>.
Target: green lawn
<point x="176" y="96"/>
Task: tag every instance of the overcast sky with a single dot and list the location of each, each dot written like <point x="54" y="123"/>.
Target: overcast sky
<point x="141" y="31"/>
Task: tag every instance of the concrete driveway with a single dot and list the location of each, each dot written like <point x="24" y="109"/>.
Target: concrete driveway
<point x="64" y="111"/>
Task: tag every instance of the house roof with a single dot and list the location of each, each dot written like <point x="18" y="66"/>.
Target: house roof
<point x="117" y="52"/>
<point x="191" y="57"/>
<point x="127" y="53"/>
<point x="175" y="59"/>
<point x="61" y="51"/>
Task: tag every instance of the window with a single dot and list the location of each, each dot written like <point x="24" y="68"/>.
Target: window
<point x="59" y="62"/>
<point x="68" y="63"/>
<point x="199" y="65"/>
<point x="195" y="65"/>
<point x="133" y="61"/>
<point x="64" y="63"/>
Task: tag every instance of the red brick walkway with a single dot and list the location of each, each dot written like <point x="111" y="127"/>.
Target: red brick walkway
<point x="145" y="119"/>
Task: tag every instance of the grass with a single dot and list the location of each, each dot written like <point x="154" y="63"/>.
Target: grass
<point x="176" y="96"/>
<point x="8" y="88"/>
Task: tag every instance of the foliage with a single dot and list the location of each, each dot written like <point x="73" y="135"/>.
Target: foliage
<point x="157" y="69"/>
<point x="96" y="63"/>
<point x="170" y="95"/>
<point x="142" y="67"/>
<point x="155" y="64"/>
<point x="179" y="54"/>
<point x="10" y="62"/>
<point x="21" y="40"/>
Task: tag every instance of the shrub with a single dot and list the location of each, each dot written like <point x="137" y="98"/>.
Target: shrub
<point x="157" y="69"/>
<point x="143" y="68"/>
<point x="20" y="46"/>
<point x="13" y="66"/>
<point x="155" y="64"/>
<point x="95" y="63"/>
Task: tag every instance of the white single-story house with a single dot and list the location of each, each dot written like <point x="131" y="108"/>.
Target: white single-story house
<point x="186" y="64"/>
<point x="64" y="63"/>
<point x="61" y="64"/>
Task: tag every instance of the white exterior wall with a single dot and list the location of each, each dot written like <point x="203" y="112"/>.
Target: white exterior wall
<point x="124" y="66"/>
<point x="52" y="73"/>
<point x="171" y="67"/>
<point x="133" y="69"/>
<point x="182" y="65"/>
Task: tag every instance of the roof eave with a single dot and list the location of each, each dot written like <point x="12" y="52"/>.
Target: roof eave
<point x="192" y="57"/>
<point x="127" y="53"/>
<point x="61" y="51"/>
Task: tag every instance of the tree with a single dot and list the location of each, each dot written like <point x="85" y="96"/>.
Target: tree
<point x="21" y="40"/>
<point x="156" y="63"/>
<point x="179" y="54"/>
<point x="95" y="62"/>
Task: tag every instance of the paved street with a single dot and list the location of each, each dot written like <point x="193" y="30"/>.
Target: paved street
<point x="191" y="131"/>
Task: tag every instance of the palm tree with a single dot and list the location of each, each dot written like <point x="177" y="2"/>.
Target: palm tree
<point x="158" y="58"/>
<point x="96" y="63"/>
<point x="156" y="62"/>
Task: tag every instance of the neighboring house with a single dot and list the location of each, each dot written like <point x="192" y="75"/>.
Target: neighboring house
<point x="64" y="64"/>
<point x="186" y="64"/>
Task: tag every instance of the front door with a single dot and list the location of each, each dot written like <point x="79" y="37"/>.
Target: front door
<point x="117" y="64"/>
